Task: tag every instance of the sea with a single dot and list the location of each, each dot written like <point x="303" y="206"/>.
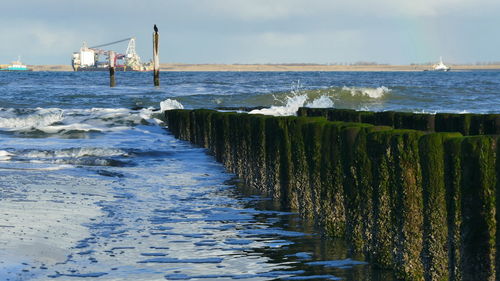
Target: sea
<point x="94" y="187"/>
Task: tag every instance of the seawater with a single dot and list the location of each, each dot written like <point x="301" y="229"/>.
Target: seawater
<point x="94" y="187"/>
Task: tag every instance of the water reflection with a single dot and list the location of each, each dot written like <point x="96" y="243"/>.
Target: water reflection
<point x="306" y="253"/>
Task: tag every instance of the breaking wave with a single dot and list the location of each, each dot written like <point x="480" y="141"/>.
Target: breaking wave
<point x="290" y="102"/>
<point x="76" y="152"/>
<point x="321" y="102"/>
<point x="169" y="104"/>
<point x="5" y="155"/>
<point x="86" y="156"/>
<point x="67" y="121"/>
<point x="43" y="118"/>
<point x="374" y="93"/>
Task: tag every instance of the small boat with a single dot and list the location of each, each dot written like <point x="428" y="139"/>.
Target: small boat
<point x="15" y="66"/>
<point x="441" y="66"/>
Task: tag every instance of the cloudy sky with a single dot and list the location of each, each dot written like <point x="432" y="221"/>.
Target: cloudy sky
<point x="257" y="31"/>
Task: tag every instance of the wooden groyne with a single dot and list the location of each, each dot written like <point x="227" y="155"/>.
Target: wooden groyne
<point x="420" y="202"/>
<point x="466" y="124"/>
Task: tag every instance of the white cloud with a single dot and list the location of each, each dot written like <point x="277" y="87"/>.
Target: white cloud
<point x="242" y="30"/>
<point x="248" y="10"/>
<point x="35" y="39"/>
<point x="275" y="39"/>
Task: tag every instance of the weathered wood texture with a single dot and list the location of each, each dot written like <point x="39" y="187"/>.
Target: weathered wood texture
<point x="112" y="81"/>
<point x="156" y="58"/>
<point x="466" y="124"/>
<point x="420" y="203"/>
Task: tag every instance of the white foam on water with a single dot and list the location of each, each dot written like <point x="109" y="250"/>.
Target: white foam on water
<point x="297" y="98"/>
<point x="76" y="152"/>
<point x="54" y="168"/>
<point x="374" y="93"/>
<point x="86" y="156"/>
<point x="147" y="113"/>
<point x="36" y="226"/>
<point x="83" y="162"/>
<point x="292" y="104"/>
<point x="305" y="98"/>
<point x="57" y="121"/>
<point x="5" y="155"/>
<point x="169" y="104"/>
<point x="28" y="122"/>
<point x="423" y="111"/>
<point x="321" y="102"/>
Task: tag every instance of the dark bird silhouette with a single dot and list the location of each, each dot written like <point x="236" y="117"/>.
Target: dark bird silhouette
<point x="155" y="28"/>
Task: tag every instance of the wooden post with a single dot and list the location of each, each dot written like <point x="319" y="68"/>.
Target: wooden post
<point x="156" y="59"/>
<point x="112" y="82"/>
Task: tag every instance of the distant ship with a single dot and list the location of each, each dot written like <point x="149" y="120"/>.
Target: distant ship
<point x="15" y="66"/>
<point x="87" y="59"/>
<point x="441" y="66"/>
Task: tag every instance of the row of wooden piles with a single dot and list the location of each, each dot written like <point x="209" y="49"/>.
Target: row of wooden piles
<point x="406" y="197"/>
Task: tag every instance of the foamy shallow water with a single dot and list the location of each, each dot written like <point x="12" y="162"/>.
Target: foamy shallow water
<point x="92" y="188"/>
<point x="127" y="201"/>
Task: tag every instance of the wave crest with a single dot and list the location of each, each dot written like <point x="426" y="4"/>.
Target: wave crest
<point x="76" y="153"/>
<point x="322" y="98"/>
<point x="86" y="156"/>
<point x="31" y="121"/>
<point x="374" y="93"/>
<point x="70" y="121"/>
<point x="169" y="104"/>
<point x="5" y="155"/>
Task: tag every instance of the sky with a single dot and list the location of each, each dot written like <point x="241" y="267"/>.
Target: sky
<point x="256" y="31"/>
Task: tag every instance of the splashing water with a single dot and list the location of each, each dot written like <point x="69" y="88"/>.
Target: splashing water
<point x="169" y="104"/>
<point x="42" y="119"/>
<point x="374" y="93"/>
<point x="321" y="102"/>
<point x="297" y="98"/>
<point x="5" y="155"/>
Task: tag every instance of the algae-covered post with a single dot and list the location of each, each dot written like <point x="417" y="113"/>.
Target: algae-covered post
<point x="421" y="203"/>
<point x="112" y="81"/>
<point x="156" y="59"/>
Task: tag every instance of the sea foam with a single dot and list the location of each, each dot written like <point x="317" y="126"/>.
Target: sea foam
<point x="292" y="104"/>
<point x="321" y="102"/>
<point x="61" y="121"/>
<point x="27" y="122"/>
<point x="292" y="101"/>
<point x="76" y="152"/>
<point x="320" y="98"/>
<point x="169" y="104"/>
<point x="5" y="155"/>
<point x="374" y="93"/>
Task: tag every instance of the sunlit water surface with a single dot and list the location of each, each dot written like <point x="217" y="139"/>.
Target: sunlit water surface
<point x="94" y="187"/>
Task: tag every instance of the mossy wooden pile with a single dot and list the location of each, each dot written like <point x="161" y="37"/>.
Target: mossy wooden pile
<point x="466" y="124"/>
<point x="415" y="201"/>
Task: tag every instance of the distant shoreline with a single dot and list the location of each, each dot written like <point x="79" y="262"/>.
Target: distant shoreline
<point x="284" y="67"/>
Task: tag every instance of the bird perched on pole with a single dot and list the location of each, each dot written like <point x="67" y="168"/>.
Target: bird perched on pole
<point x="156" y="58"/>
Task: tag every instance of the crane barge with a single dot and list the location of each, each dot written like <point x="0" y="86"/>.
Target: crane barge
<point x="87" y="59"/>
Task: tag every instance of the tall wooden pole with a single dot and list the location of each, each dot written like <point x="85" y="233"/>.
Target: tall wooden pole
<point x="112" y="82"/>
<point x="156" y="59"/>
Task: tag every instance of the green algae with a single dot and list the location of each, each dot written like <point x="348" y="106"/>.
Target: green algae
<point x="379" y="152"/>
<point x="421" y="204"/>
<point x="435" y="211"/>
<point x="466" y="124"/>
<point x="408" y="204"/>
<point x="478" y="208"/>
